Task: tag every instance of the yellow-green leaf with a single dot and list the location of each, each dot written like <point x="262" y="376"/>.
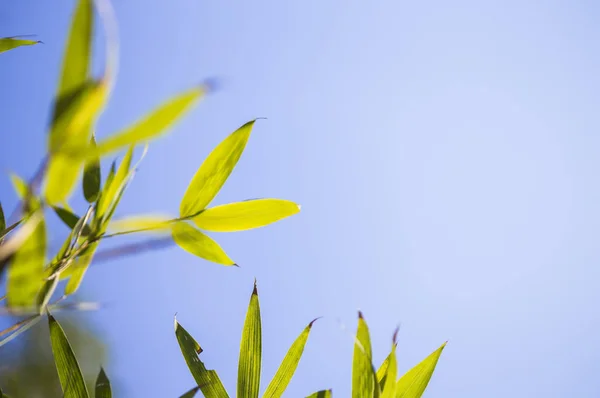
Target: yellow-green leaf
<point x="245" y="215"/>
<point x="25" y="275"/>
<point x="149" y="222"/>
<point x="69" y="373"/>
<point x="382" y="372"/>
<point x="16" y="240"/>
<point x="414" y="382"/>
<point x="207" y="380"/>
<point x="103" y="389"/>
<point x="199" y="244"/>
<point x="362" y="369"/>
<point x="191" y="393"/>
<point x="388" y="384"/>
<point x="288" y="367"/>
<point x="9" y="43"/>
<point x="19" y="185"/>
<point x="114" y="185"/>
<point x="46" y="293"/>
<point x="215" y="170"/>
<point x="152" y="125"/>
<point x="321" y="394"/>
<point x="250" y="351"/>
<point x="79" y="268"/>
<point x="92" y="177"/>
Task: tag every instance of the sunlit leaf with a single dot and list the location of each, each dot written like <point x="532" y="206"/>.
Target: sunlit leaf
<point x="382" y="372"/>
<point x="149" y="222"/>
<point x="16" y="240"/>
<point x="287" y="368"/>
<point x="362" y="369"/>
<point x="26" y="271"/>
<point x="414" y="382"/>
<point x="112" y="186"/>
<point x="69" y="373"/>
<point x="321" y="394"/>
<point x="191" y="393"/>
<point x="215" y="170"/>
<point x="103" y="389"/>
<point x="9" y="43"/>
<point x="19" y="185"/>
<point x="199" y="244"/>
<point x="250" y="351"/>
<point x="207" y="380"/>
<point x="70" y="219"/>
<point x="79" y="268"/>
<point x="245" y="215"/>
<point x="388" y="384"/>
<point x="92" y="177"/>
<point x="152" y="125"/>
<point x="46" y="293"/>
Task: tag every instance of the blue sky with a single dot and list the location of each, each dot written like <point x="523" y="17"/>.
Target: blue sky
<point x="445" y="156"/>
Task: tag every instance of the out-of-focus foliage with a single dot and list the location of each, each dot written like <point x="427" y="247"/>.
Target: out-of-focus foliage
<point x="10" y="43"/>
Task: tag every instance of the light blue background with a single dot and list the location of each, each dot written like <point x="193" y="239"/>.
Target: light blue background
<point x="445" y="154"/>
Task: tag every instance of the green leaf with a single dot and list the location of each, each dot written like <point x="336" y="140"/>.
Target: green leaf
<point x="414" y="382"/>
<point x="153" y="124"/>
<point x="3" y="395"/>
<point x="149" y="222"/>
<point x="362" y="369"/>
<point x="46" y="293"/>
<point x="287" y="368"/>
<point x="69" y="373"/>
<point x="382" y="372"/>
<point x="2" y="220"/>
<point x="215" y="170"/>
<point x="114" y="185"/>
<point x="195" y="242"/>
<point x="79" y="268"/>
<point x="245" y="215"/>
<point x="20" y="186"/>
<point x="70" y="219"/>
<point x="103" y="385"/>
<point x="321" y="394"/>
<point x="26" y="270"/>
<point x="207" y="380"/>
<point x="388" y="384"/>
<point x="250" y="351"/>
<point x="23" y="234"/>
<point x="9" y="43"/>
<point x="191" y="393"/>
<point x="8" y="230"/>
<point x="92" y="177"/>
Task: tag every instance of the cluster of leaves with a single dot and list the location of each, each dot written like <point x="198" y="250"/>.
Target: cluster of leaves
<point x="32" y="280"/>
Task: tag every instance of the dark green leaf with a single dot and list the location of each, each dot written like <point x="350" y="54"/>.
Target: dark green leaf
<point x="2" y="220"/>
<point x="103" y="385"/>
<point x="69" y="373"/>
<point x="91" y="177"/>
<point x="191" y="393"/>
<point x="70" y="219"/>
<point x="207" y="380"/>
<point x="250" y="351"/>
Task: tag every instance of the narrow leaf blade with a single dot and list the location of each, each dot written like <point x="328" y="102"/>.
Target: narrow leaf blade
<point x="414" y="382"/>
<point x="69" y="373"/>
<point x="388" y="385"/>
<point x="245" y="215"/>
<point x="207" y="380"/>
<point x="214" y="171"/>
<point x="10" y="43"/>
<point x="149" y="222"/>
<point x="321" y="394"/>
<point x="91" y="176"/>
<point x="70" y="219"/>
<point x="288" y="367"/>
<point x="195" y="242"/>
<point x="103" y="389"/>
<point x="191" y="393"/>
<point x="250" y="351"/>
<point x="362" y="373"/>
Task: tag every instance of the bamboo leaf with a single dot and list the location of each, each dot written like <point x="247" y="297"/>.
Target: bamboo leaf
<point x="250" y="351"/>
<point x="195" y="242"/>
<point x="92" y="177"/>
<point x="191" y="393"/>
<point x="288" y="367"/>
<point x="382" y="372"/>
<point x="150" y="222"/>
<point x="414" y="382"/>
<point x="46" y="293"/>
<point x="112" y="186"/>
<point x="6" y="231"/>
<point x="215" y="170"/>
<point x="26" y="271"/>
<point x="71" y="219"/>
<point x="17" y="239"/>
<point x="103" y="389"/>
<point x="2" y="220"/>
<point x="208" y="381"/>
<point x="79" y="269"/>
<point x="321" y="394"/>
<point x="362" y="373"/>
<point x="10" y="43"/>
<point x="245" y="215"/>
<point x="152" y="125"/>
<point x="69" y="373"/>
<point x="388" y="384"/>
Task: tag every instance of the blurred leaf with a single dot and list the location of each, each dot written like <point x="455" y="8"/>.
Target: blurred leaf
<point x="112" y="186"/>
<point x="388" y="384"/>
<point x="287" y="368"/>
<point x="195" y="242"/>
<point x="207" y="380"/>
<point x="245" y="215"/>
<point x="79" y="268"/>
<point x="2" y="220"/>
<point x="69" y="373"/>
<point x="152" y="125"/>
<point x="8" y="230"/>
<point x="26" y="271"/>
<point x="46" y="292"/>
<point x="17" y="240"/>
<point x="142" y="223"/>
<point x="92" y="177"/>
<point x="215" y="170"/>
<point x="19" y="185"/>
<point x="70" y="219"/>
<point x="321" y="394"/>
<point x="18" y="328"/>
<point x="362" y="368"/>
<point x="103" y="385"/>
<point x="250" y="351"/>
<point x="191" y="393"/>
<point x="9" y="43"/>
<point x="414" y="382"/>
<point x="3" y="395"/>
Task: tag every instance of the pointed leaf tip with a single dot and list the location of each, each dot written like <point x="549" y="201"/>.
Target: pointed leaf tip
<point x="360" y="315"/>
<point x="313" y="321"/>
<point x="255" y="290"/>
